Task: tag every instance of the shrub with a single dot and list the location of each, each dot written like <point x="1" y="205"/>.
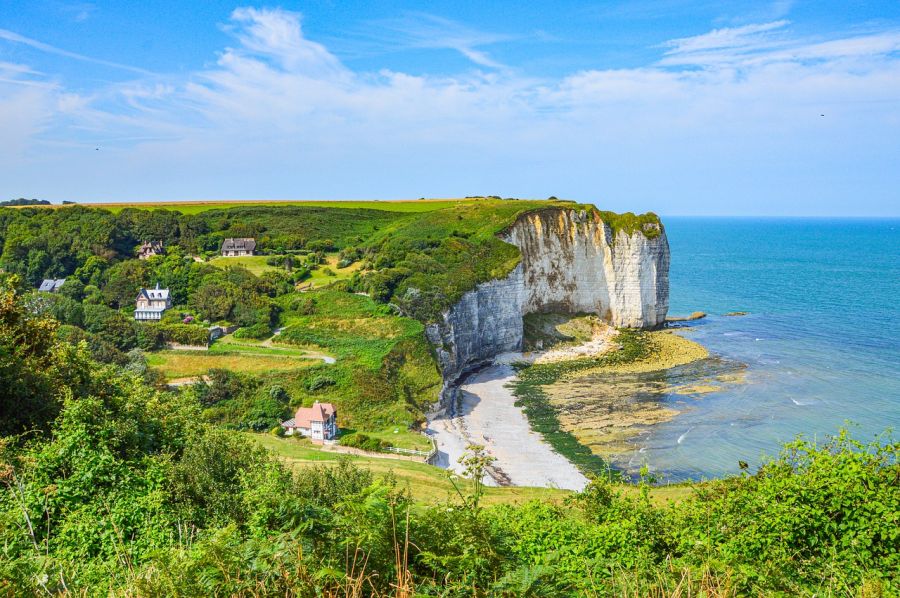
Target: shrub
<point x="184" y="334"/>
<point x="364" y="442"/>
<point x="319" y="382"/>
<point x="257" y="331"/>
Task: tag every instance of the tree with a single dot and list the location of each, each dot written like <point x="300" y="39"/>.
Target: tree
<point x="123" y="282"/>
<point x="214" y="299"/>
<point x="36" y="368"/>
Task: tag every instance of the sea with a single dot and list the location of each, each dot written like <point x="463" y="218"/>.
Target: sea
<point x="817" y="351"/>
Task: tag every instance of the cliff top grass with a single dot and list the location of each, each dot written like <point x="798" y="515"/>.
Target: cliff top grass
<point x="649" y="223"/>
<point x="196" y="207"/>
<point x="426" y="263"/>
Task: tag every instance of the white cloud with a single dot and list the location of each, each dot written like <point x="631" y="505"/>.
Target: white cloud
<point x="279" y="115"/>
<point x="13" y="37"/>
<point x="426" y="31"/>
<point x="277" y="34"/>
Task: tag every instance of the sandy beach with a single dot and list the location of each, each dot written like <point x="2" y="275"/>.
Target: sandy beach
<point x="486" y="414"/>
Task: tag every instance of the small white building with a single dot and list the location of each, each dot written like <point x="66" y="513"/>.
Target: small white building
<point x="238" y="247"/>
<point x="51" y="285"/>
<point x="318" y="422"/>
<point x="151" y="303"/>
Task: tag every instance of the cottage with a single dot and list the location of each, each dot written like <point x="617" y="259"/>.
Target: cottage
<point x="50" y="285"/>
<point x="318" y="422"/>
<point x="238" y="247"/>
<point x="149" y="249"/>
<point x="151" y="303"/>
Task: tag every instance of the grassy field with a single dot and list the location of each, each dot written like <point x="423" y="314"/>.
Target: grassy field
<point x="254" y="263"/>
<point x="185" y="364"/>
<point x="229" y="345"/>
<point x="195" y="207"/>
<point x="428" y="483"/>
<point x="318" y="277"/>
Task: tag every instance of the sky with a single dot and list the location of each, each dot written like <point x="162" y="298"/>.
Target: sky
<point x="763" y="107"/>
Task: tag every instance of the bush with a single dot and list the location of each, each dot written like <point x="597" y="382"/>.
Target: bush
<point x="320" y="382"/>
<point x="364" y="442"/>
<point x="323" y="245"/>
<point x="277" y="431"/>
<point x="183" y="334"/>
<point x="257" y="331"/>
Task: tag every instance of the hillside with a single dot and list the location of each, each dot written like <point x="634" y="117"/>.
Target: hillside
<point x="116" y="484"/>
<point x="383" y="374"/>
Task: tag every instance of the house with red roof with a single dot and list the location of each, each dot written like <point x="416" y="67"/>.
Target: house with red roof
<point x="318" y="422"/>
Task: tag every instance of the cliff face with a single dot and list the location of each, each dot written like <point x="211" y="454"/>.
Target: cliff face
<point x="571" y="263"/>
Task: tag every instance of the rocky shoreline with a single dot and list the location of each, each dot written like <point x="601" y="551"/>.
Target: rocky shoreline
<point x="483" y="410"/>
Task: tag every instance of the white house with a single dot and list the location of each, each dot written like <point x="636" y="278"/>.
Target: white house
<point x="318" y="422"/>
<point x="50" y="285"/>
<point x="151" y="303"/>
<point x="238" y="247"/>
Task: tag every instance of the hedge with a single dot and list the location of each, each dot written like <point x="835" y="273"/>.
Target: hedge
<point x="183" y="334"/>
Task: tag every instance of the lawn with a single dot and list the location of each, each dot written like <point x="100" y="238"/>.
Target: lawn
<point x="228" y="345"/>
<point x="254" y="263"/>
<point x="319" y="278"/>
<point x="398" y="436"/>
<point x="185" y="364"/>
<point x="431" y="484"/>
<point x="195" y="207"/>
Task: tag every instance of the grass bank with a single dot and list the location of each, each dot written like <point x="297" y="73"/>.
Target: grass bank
<point x="430" y="484"/>
<point x="185" y="364"/>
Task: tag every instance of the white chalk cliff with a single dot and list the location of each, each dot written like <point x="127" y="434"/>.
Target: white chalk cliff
<point x="571" y="263"/>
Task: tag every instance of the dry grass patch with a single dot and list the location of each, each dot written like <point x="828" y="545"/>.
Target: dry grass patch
<point x="184" y="364"/>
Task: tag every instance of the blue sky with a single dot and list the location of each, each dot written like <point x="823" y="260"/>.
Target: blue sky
<point x="721" y="108"/>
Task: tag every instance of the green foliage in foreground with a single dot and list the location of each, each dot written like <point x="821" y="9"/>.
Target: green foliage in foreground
<point x="131" y="495"/>
<point x="127" y="492"/>
<point x="542" y="416"/>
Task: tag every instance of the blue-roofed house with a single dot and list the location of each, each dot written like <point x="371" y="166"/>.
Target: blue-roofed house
<point x="51" y="285"/>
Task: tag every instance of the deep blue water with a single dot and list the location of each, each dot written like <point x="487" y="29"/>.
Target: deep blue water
<point x="821" y="343"/>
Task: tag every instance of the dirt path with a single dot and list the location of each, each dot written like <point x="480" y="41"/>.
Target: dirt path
<point x="269" y="343"/>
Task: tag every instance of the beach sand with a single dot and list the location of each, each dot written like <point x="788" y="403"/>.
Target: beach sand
<point x="486" y="415"/>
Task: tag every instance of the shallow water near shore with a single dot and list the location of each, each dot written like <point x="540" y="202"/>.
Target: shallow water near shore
<point x="821" y="341"/>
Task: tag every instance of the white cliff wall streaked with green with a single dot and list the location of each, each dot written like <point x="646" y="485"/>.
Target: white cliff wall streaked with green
<point x="572" y="262"/>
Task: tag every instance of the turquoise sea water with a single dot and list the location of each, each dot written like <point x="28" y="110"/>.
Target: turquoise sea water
<point x="821" y="343"/>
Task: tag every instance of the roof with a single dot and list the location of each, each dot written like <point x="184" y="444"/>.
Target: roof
<point x="156" y="294"/>
<point x="246" y="244"/>
<point x="151" y="246"/>
<point x="319" y="412"/>
<point x="49" y="284"/>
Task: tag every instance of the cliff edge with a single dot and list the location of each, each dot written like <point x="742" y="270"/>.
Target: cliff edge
<point x="572" y="261"/>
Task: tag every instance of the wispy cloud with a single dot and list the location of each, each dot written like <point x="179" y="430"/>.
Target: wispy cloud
<point x="426" y="31"/>
<point x="280" y="115"/>
<point x="732" y="40"/>
<point x="13" y="37"/>
<point x="79" y="11"/>
<point x="766" y="43"/>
